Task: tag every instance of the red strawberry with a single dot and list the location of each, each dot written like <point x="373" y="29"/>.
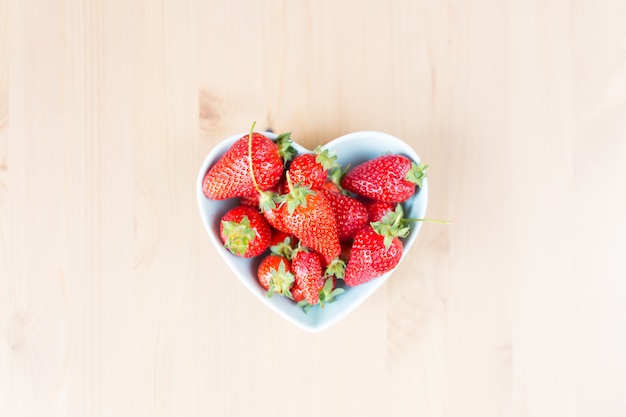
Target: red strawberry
<point x="370" y="258"/>
<point x="307" y="270"/>
<point x="309" y="216"/>
<point x="312" y="168"/>
<point x="275" y="218"/>
<point x="392" y="178"/>
<point x="297" y="294"/>
<point x="250" y="201"/>
<point x="376" y="249"/>
<point x="350" y="213"/>
<point x="245" y="232"/>
<point x="275" y="275"/>
<point x="331" y="186"/>
<point x="346" y="249"/>
<point x="376" y="210"/>
<point x="230" y="176"/>
<point x="278" y="238"/>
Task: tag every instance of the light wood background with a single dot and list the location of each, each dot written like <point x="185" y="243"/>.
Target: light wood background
<point x="113" y="302"/>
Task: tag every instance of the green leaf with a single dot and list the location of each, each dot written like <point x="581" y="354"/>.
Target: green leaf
<point x="337" y="267"/>
<point x="238" y="235"/>
<point x="281" y="281"/>
<point x="297" y="195"/>
<point x="285" y="146"/>
<point x="305" y="306"/>
<point x="283" y="248"/>
<point x="268" y="200"/>
<point x="417" y="173"/>
<point x="327" y="294"/>
<point x="325" y="158"/>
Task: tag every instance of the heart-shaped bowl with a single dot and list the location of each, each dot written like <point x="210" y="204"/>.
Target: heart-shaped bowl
<point x="352" y="149"/>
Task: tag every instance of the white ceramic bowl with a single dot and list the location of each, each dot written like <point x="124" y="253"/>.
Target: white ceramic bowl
<point x="352" y="148"/>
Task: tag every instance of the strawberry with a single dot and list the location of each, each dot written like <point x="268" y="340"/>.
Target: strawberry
<point x="231" y="177"/>
<point x="312" y="168"/>
<point x="307" y="270"/>
<point x="326" y="295"/>
<point x="370" y="258"/>
<point x="376" y="249"/>
<point x="245" y="232"/>
<point x="250" y="200"/>
<point x="376" y="210"/>
<point x="297" y="294"/>
<point x="346" y="250"/>
<point x="350" y="214"/>
<point x="275" y="218"/>
<point x="309" y="216"/>
<point x="331" y="186"/>
<point x="391" y="178"/>
<point x="275" y="275"/>
<point x="279" y="238"/>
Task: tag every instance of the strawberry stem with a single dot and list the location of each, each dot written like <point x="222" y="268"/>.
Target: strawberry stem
<point x="267" y="200"/>
<point x="256" y="185"/>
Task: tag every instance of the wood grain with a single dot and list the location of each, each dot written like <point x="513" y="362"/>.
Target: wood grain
<point x="113" y="302"/>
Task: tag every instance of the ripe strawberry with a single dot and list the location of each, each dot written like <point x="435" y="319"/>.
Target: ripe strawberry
<point x="307" y="270"/>
<point x="328" y="294"/>
<point x="346" y="250"/>
<point x="275" y="218"/>
<point x="392" y="178"/>
<point x="376" y="210"/>
<point x="250" y="201"/>
<point x="275" y="275"/>
<point x="280" y="238"/>
<point x="245" y="232"/>
<point x="312" y="168"/>
<point x="331" y="186"/>
<point x="309" y="216"/>
<point x="370" y="258"/>
<point x="376" y="249"/>
<point x="297" y="294"/>
<point x="350" y="214"/>
<point x="230" y="176"/>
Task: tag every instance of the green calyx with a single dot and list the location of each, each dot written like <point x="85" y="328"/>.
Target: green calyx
<point x="325" y="158"/>
<point x="391" y="226"/>
<point x="285" y="146"/>
<point x="268" y="200"/>
<point x="281" y="281"/>
<point x="284" y="249"/>
<point x="417" y="173"/>
<point x="238" y="235"/>
<point x="336" y="174"/>
<point x="336" y="267"/>
<point x="327" y="294"/>
<point x="297" y="195"/>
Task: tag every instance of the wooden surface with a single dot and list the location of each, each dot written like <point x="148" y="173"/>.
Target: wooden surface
<point x="113" y="302"/>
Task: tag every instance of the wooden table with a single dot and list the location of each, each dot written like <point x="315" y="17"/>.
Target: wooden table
<point x="113" y="301"/>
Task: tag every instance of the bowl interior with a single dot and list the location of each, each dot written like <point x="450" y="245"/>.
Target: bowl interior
<point x="352" y="149"/>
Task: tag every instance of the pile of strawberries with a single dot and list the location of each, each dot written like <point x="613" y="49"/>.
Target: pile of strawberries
<point x="312" y="221"/>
